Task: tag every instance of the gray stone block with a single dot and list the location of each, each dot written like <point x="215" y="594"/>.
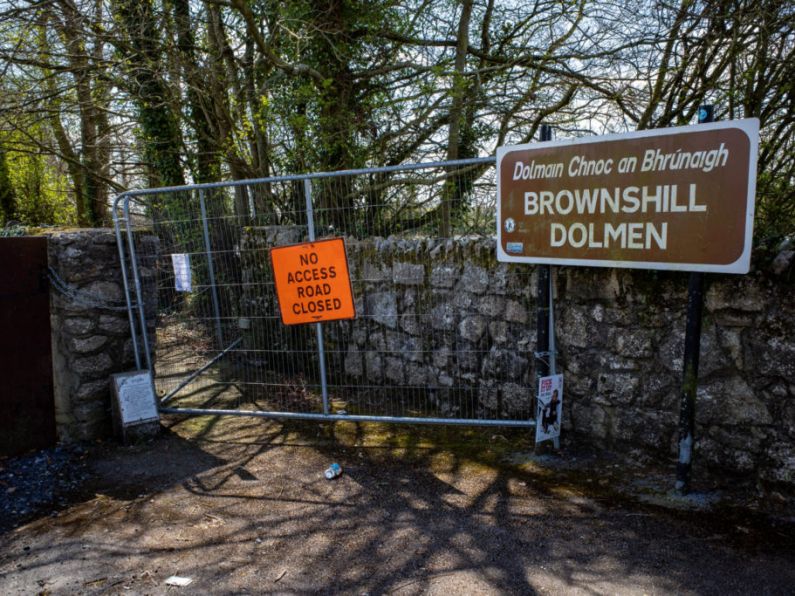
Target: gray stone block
<point x="442" y="317"/>
<point x="632" y="343"/>
<point x="491" y="306"/>
<point x="79" y="325"/>
<point x="373" y="273"/>
<point x="407" y="347"/>
<point x="474" y="279"/>
<point x="382" y="307"/>
<point x="411" y="323"/>
<point x="441" y="357"/>
<point x="498" y="331"/>
<point x="444" y="275"/>
<point x="88" y="344"/>
<point x="359" y="335"/>
<point x="92" y="391"/>
<point x="468" y="359"/>
<point x="501" y="279"/>
<point x="473" y="327"/>
<point x="92" y="411"/>
<point x="590" y="419"/>
<point x="780" y="466"/>
<point x="617" y="389"/>
<point x="515" y="312"/>
<point x="408" y="274"/>
<point x="393" y="370"/>
<point x="463" y="300"/>
<point x="106" y="291"/>
<point x="445" y="380"/>
<point x="504" y="364"/>
<point x="354" y="363"/>
<point x="731" y="402"/>
<point x="735" y="294"/>
<point x="418" y="375"/>
<point x="577" y="328"/>
<point x="488" y="394"/>
<point x="374" y="365"/>
<point x="114" y="324"/>
<point x="516" y="399"/>
<point x="91" y="367"/>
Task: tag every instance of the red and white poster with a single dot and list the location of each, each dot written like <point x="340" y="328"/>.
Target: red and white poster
<point x="549" y="408"/>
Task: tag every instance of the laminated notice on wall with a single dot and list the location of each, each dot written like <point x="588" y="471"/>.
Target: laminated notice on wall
<point x="182" y="279"/>
<point x="549" y="408"/>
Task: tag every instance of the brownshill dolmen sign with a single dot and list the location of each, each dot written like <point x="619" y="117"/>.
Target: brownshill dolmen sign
<point x="675" y="198"/>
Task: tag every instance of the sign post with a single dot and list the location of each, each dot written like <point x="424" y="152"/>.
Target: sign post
<point x="687" y="409"/>
<point x="545" y="327"/>
<point x="313" y="285"/>
<point x="543" y="301"/>
<point x="675" y="199"/>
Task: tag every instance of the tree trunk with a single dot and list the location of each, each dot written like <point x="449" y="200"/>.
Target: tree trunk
<point x="162" y="138"/>
<point x="456" y="115"/>
<point x="208" y="166"/>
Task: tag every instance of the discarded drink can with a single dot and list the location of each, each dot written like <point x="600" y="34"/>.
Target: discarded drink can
<point x="333" y="471"/>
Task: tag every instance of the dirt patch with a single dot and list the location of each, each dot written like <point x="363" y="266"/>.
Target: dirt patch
<point x="240" y="505"/>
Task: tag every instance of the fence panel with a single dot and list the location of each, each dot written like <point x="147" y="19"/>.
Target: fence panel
<point x="413" y="353"/>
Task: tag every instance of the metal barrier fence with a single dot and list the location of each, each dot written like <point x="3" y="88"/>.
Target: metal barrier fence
<point x="218" y="345"/>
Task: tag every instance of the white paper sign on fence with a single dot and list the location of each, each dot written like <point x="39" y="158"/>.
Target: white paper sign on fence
<point x="549" y="407"/>
<point x="182" y="278"/>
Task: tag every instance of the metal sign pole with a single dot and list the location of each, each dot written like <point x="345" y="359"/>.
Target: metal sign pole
<point x="321" y="352"/>
<point x="544" y="359"/>
<point x="553" y="369"/>
<point x="546" y="135"/>
<point x="542" y="298"/>
<point x="687" y="408"/>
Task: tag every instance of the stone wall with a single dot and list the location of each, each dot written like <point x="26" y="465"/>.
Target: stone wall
<point x="89" y="343"/>
<point x="441" y="316"/>
<point x="437" y="314"/>
<point x="621" y="336"/>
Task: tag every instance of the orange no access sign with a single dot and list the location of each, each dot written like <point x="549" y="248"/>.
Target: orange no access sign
<point x="313" y="283"/>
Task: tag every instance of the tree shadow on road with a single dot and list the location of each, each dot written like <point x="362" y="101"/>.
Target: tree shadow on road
<point x="241" y="504"/>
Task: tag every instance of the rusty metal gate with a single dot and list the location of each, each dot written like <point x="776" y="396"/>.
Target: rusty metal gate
<point x="430" y="344"/>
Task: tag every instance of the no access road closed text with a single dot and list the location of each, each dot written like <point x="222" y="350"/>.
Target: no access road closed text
<point x="312" y="281"/>
<point x="675" y="198"/>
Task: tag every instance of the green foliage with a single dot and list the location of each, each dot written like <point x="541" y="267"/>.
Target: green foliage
<point x="775" y="212"/>
<point x="161" y="134"/>
<point x="38" y="186"/>
<point x="8" y="200"/>
<point x="263" y="87"/>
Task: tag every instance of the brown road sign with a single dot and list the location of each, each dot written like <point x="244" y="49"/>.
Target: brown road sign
<point x="312" y="282"/>
<point x="675" y="198"/>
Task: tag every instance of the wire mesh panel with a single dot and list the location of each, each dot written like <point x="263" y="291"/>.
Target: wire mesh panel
<point x="434" y="339"/>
